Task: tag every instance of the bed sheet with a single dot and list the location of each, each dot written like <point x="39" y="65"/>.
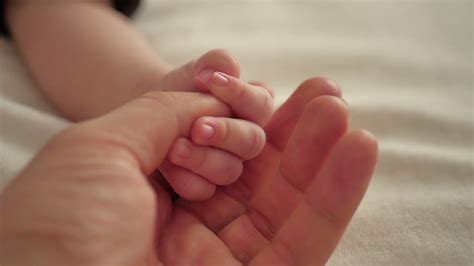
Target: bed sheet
<point x="406" y="71"/>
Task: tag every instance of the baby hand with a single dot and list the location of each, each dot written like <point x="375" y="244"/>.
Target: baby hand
<point x="220" y="145"/>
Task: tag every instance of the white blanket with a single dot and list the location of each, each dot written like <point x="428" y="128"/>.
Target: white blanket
<point x="406" y="71"/>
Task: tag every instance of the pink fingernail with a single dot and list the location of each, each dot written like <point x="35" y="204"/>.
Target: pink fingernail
<point x="220" y="79"/>
<point x="205" y="74"/>
<point x="183" y="151"/>
<point x="207" y="131"/>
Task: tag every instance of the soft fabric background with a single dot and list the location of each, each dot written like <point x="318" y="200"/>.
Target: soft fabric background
<point x="406" y="71"/>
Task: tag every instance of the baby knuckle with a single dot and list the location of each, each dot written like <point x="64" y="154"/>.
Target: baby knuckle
<point x="257" y="141"/>
<point x="266" y="107"/>
<point x="224" y="135"/>
<point x="241" y="95"/>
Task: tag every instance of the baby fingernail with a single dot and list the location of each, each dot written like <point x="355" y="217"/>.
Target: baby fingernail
<point x="205" y="74"/>
<point x="220" y="79"/>
<point x="207" y="131"/>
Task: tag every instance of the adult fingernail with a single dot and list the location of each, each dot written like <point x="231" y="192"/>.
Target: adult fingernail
<point x="220" y="79"/>
<point x="207" y="131"/>
<point x="205" y="74"/>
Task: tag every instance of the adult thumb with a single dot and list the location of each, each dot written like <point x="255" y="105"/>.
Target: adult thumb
<point x="146" y="127"/>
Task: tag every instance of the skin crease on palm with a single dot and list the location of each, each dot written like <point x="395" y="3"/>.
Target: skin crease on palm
<point x="290" y="206"/>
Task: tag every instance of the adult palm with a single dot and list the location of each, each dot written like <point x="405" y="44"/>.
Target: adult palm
<point x="84" y="200"/>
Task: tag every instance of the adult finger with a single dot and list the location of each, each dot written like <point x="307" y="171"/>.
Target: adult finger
<point x="285" y="118"/>
<point x="322" y="124"/>
<point x="311" y="234"/>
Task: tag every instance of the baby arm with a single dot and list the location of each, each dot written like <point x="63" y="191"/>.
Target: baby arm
<point x="84" y="55"/>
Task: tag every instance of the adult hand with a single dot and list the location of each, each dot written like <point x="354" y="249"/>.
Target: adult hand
<point x="86" y="199"/>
